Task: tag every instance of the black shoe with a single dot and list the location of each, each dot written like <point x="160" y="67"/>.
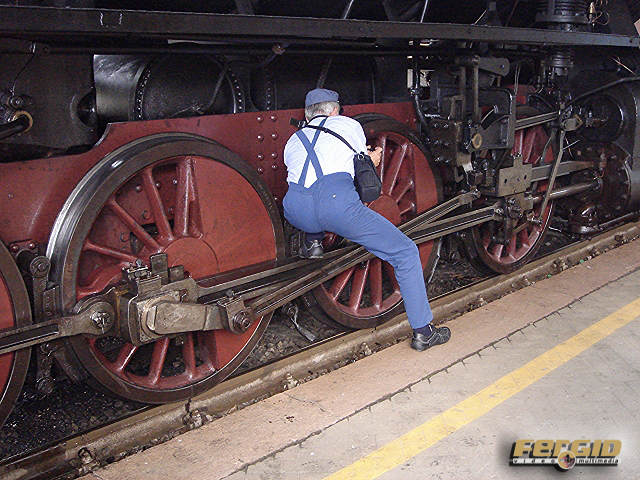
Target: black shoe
<point x="421" y="342"/>
<point x="312" y="249"/>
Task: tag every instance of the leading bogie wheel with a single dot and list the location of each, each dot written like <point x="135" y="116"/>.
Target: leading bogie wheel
<point x="368" y="295"/>
<point x="187" y="197"/>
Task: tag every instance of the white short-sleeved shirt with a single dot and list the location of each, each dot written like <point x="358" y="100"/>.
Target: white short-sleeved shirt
<point x="334" y="156"/>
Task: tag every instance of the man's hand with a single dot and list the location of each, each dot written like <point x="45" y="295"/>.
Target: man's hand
<point x="375" y="154"/>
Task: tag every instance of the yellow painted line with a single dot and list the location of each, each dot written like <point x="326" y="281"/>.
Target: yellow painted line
<point x="427" y="434"/>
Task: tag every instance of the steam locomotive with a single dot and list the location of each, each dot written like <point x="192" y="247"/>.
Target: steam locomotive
<point x="141" y="172"/>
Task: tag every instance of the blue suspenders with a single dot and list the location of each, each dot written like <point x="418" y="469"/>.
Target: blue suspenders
<point x="311" y="154"/>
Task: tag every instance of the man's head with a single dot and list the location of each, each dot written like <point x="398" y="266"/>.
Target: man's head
<point x="321" y="102"/>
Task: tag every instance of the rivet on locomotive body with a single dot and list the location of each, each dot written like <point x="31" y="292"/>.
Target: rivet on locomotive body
<point x="158" y="185"/>
<point x="174" y="182"/>
<point x="259" y="118"/>
<point x="274" y="118"/>
<point x="138" y="188"/>
<point x="274" y="135"/>
<point x="15" y="248"/>
<point x="274" y="166"/>
<point x="274" y="155"/>
<point x="32" y="245"/>
<point x="172" y="210"/>
<point x="146" y="215"/>
<point x="260" y="137"/>
<point x="260" y="156"/>
<point x="260" y="170"/>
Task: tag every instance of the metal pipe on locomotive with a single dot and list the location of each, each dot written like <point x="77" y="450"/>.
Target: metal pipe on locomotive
<point x="143" y="243"/>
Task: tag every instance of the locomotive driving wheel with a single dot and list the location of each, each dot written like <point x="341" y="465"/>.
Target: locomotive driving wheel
<point x="181" y="195"/>
<point x="368" y="295"/>
<point x="15" y="311"/>
<point x="485" y="245"/>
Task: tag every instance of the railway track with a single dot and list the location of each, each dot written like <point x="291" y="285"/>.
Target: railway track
<point x="74" y="456"/>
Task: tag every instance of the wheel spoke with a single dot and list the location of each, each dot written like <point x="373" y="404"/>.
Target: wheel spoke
<point x="134" y="226"/>
<point x="511" y="249"/>
<point x="340" y="282"/>
<point x="124" y="357"/>
<point x="407" y="207"/>
<point x="157" y="208"/>
<point x="207" y="349"/>
<point x="358" y="286"/>
<point x="108" y="251"/>
<point x="393" y="169"/>
<point x="381" y="141"/>
<point x="486" y="238"/>
<point x="186" y="200"/>
<point x="401" y="189"/>
<point x="158" y="358"/>
<point x="496" y="251"/>
<point x="375" y="281"/>
<point x="189" y="355"/>
<point x="524" y="238"/>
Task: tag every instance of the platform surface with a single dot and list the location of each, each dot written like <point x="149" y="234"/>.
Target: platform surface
<point x="556" y="361"/>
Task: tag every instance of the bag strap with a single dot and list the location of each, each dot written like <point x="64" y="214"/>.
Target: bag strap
<point x="312" y="157"/>
<point x="338" y="136"/>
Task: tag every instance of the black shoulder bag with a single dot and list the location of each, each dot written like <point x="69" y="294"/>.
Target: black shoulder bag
<point x="366" y="181"/>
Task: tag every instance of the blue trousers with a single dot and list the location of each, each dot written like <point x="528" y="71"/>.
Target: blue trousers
<point x="332" y="204"/>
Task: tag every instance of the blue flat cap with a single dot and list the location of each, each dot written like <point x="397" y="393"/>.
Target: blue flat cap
<point x="320" y="95"/>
